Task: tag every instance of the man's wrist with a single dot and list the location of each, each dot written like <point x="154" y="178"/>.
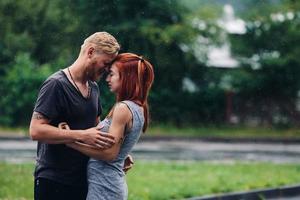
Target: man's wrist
<point x="75" y="135"/>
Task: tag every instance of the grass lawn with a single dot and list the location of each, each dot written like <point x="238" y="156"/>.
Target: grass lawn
<point x="169" y="130"/>
<point x="10" y="131"/>
<point x="170" y="180"/>
<point x="229" y="131"/>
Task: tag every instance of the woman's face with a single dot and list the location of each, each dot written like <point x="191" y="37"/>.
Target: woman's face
<point x="113" y="79"/>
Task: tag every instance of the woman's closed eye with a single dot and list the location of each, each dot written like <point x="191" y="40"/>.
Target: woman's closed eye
<point x="111" y="73"/>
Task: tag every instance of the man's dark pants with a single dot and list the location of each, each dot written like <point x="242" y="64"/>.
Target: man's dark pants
<point x="45" y="189"/>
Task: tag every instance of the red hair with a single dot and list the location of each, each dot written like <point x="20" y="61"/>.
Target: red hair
<point x="136" y="76"/>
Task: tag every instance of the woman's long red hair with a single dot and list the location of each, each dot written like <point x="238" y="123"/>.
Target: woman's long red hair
<point x="136" y="76"/>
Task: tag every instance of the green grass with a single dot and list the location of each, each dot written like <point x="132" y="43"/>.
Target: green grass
<point x="224" y="131"/>
<point x="195" y="131"/>
<point x="16" y="181"/>
<point x="170" y="180"/>
<point x="19" y="131"/>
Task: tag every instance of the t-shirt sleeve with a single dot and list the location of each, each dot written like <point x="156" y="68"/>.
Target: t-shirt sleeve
<point x="48" y="99"/>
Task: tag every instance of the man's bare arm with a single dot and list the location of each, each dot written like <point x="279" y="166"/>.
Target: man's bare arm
<point x="41" y="130"/>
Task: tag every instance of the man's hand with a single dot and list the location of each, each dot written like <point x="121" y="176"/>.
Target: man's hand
<point x="128" y="164"/>
<point x="93" y="137"/>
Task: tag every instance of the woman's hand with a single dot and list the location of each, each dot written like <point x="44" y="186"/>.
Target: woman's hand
<point x="128" y="164"/>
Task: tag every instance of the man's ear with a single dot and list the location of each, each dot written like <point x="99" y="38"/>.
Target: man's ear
<point x="90" y="51"/>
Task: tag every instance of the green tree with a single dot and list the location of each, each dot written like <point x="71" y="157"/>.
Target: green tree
<point x="270" y="59"/>
<point x="154" y="29"/>
<point x="19" y="90"/>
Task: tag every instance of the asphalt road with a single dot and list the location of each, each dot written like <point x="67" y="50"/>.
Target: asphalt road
<point x="24" y="150"/>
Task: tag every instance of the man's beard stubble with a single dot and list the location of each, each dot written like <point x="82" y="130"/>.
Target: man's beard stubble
<point x="92" y="74"/>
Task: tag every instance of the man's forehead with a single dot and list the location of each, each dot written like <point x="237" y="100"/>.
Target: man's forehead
<point x="110" y="56"/>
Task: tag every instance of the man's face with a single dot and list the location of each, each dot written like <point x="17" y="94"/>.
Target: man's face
<point x="98" y="65"/>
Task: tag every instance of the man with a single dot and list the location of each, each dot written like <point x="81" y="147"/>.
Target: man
<point x="70" y="95"/>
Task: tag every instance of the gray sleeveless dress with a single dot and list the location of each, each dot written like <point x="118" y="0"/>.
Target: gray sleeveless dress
<point x="106" y="180"/>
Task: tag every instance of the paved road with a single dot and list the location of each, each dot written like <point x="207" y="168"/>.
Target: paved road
<point x="24" y="150"/>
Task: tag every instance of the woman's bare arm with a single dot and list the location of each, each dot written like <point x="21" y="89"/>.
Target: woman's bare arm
<point x="121" y="117"/>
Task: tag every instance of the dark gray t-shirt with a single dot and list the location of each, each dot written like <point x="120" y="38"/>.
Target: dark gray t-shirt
<point x="59" y="101"/>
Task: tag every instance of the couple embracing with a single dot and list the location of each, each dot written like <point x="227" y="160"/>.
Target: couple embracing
<point x="80" y="156"/>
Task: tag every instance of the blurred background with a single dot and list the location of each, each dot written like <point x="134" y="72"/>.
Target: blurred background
<point x="217" y="62"/>
<point x="223" y="68"/>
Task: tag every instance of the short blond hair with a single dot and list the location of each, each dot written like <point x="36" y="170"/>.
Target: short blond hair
<point x="104" y="42"/>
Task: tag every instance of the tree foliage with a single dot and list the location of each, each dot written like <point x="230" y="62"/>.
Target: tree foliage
<point x="39" y="37"/>
<point x="270" y="61"/>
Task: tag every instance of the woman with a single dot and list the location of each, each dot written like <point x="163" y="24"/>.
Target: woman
<point x="130" y="78"/>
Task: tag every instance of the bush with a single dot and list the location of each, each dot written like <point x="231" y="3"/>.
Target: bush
<point x="19" y="88"/>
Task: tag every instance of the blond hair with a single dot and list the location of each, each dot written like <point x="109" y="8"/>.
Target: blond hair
<point x="103" y="41"/>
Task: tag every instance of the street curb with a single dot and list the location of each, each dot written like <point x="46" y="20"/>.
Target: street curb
<point x="280" y="192"/>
